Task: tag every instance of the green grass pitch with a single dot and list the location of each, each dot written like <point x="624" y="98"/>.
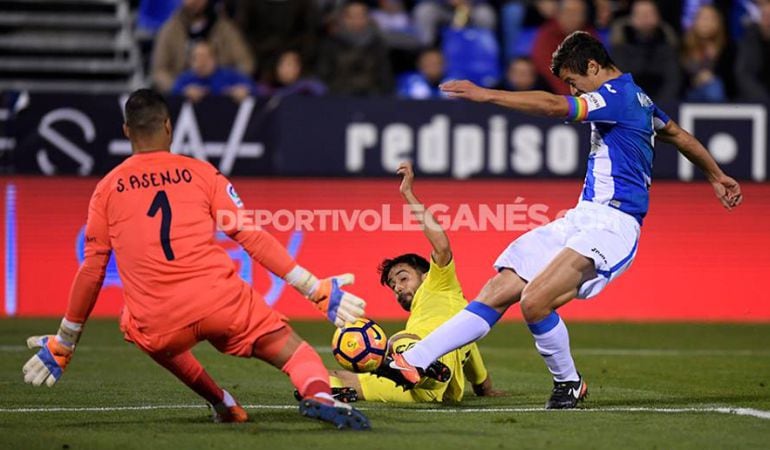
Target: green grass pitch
<point x="661" y="386"/>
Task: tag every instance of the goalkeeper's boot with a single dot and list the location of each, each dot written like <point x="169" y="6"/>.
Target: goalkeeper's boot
<point x="230" y="414"/>
<point x="343" y="394"/>
<point x="567" y="394"/>
<point x="339" y="414"/>
<point x="397" y="369"/>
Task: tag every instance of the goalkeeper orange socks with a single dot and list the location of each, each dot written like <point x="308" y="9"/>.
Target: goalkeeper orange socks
<point x="307" y="372"/>
<point x="206" y="387"/>
<point x="190" y="372"/>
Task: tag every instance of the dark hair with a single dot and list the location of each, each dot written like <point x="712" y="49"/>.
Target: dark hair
<point x="576" y="50"/>
<point x="522" y="58"/>
<point x="415" y="261"/>
<point x="145" y="111"/>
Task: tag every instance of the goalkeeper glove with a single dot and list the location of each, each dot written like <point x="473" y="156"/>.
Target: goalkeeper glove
<point x="339" y="306"/>
<point x="48" y="365"/>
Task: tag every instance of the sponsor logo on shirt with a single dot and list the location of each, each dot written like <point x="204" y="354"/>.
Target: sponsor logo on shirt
<point x="595" y="101"/>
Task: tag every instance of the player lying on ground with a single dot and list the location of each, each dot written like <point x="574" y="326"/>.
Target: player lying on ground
<point x="579" y="254"/>
<point x="157" y="212"/>
<point x="432" y="295"/>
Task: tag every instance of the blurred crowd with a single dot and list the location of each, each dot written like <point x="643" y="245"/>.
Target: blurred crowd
<point x="694" y="50"/>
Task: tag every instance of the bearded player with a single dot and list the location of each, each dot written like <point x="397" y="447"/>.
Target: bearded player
<point x="157" y="212"/>
<point x="431" y="293"/>
<point x="578" y="255"/>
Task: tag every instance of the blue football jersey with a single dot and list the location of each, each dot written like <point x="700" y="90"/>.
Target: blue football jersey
<point x="623" y="123"/>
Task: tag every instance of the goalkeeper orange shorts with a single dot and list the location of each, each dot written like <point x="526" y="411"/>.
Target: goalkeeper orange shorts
<point x="232" y="329"/>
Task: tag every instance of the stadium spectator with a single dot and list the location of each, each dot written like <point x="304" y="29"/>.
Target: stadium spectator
<point x="572" y="15"/>
<point x="645" y="46"/>
<point x="691" y="8"/>
<point x="398" y="31"/>
<point x="521" y="75"/>
<point x="206" y="77"/>
<point x="288" y="77"/>
<point x="395" y="24"/>
<point x="707" y="59"/>
<point x="519" y="20"/>
<point x="681" y="14"/>
<point x="354" y="59"/>
<point x="424" y="82"/>
<point x="196" y="20"/>
<point x="431" y="15"/>
<point x="604" y="13"/>
<point x="152" y="14"/>
<point x="752" y="69"/>
<point x="270" y="26"/>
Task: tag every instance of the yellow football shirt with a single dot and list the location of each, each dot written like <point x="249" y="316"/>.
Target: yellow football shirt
<point x="438" y="298"/>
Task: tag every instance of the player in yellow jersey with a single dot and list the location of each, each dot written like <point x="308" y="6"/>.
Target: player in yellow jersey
<point x="432" y="294"/>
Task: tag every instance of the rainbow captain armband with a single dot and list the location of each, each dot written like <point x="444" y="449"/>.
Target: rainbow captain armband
<point x="578" y="108"/>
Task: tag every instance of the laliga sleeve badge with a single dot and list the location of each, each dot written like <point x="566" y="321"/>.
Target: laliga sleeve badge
<point x="234" y="196"/>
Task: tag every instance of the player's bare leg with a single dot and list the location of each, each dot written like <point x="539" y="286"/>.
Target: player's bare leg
<point x="287" y="351"/>
<point x="502" y="290"/>
<point x="190" y="372"/>
<point x="555" y="286"/>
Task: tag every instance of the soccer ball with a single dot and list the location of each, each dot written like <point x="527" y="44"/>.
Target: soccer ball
<point x="360" y="346"/>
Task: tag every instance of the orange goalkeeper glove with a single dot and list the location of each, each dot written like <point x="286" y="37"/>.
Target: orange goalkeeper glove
<point x="48" y="364"/>
<point x="340" y="307"/>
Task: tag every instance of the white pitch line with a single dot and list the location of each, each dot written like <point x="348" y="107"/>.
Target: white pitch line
<point x="128" y="408"/>
<point x="649" y="352"/>
<point x="758" y="413"/>
<point x="732" y="410"/>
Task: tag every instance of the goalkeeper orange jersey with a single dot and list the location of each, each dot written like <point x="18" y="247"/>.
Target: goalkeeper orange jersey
<point x="157" y="212"/>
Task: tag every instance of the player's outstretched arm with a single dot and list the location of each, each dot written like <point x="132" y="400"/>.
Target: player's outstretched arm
<point x="727" y="190"/>
<point x="539" y="103"/>
<point x="442" y="252"/>
<point x="339" y="306"/>
<point x="55" y="351"/>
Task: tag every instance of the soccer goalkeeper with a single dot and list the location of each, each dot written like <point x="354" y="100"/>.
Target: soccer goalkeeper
<point x="432" y="294"/>
<point x="157" y="211"/>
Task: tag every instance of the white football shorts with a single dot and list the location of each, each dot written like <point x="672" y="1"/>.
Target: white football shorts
<point x="606" y="235"/>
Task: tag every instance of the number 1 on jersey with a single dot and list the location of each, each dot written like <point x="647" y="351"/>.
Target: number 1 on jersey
<point x="160" y="202"/>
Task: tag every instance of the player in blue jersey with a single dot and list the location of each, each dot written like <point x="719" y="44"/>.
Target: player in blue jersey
<point x="596" y="241"/>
